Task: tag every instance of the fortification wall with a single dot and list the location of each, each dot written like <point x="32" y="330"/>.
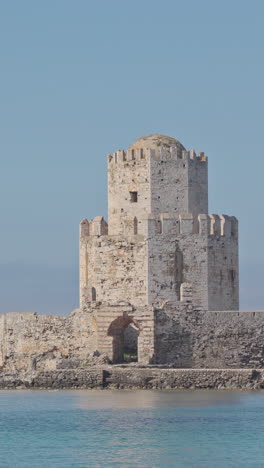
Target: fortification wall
<point x="38" y="342"/>
<point x="177" y="335"/>
<point x="147" y="263"/>
<point x="202" y="251"/>
<point x="217" y="340"/>
<point x="113" y="269"/>
<point x="31" y="342"/>
<point x="174" y="258"/>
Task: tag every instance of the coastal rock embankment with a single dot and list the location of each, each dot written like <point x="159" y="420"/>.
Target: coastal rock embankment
<point x="118" y="377"/>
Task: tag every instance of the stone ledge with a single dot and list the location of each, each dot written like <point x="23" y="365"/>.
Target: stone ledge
<point x="136" y="378"/>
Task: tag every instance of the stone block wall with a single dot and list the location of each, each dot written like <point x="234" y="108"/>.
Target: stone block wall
<point x="180" y="335"/>
<point x="189" y="338"/>
<point x="179" y="182"/>
<point x="39" y="342"/>
<point x="113" y="269"/>
<point x="128" y="172"/>
<point x="223" y="270"/>
<point x="202" y="252"/>
<point x="31" y="342"/>
<point x="148" y="267"/>
<point x="166" y="179"/>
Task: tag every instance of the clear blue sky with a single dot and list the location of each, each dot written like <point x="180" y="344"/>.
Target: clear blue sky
<point x="80" y="79"/>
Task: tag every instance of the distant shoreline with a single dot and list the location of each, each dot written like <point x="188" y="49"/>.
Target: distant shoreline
<point x="130" y="377"/>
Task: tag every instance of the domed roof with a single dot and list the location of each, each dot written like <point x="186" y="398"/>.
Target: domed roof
<point x="155" y="141"/>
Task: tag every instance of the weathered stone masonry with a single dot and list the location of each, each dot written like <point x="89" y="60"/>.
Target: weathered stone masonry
<point x="159" y="233"/>
<point x="158" y="282"/>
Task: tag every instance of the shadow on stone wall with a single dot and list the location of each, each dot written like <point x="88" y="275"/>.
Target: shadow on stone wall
<point x="173" y="342"/>
<point x="215" y="340"/>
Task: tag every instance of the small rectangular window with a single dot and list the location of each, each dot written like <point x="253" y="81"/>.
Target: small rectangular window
<point x="133" y="197"/>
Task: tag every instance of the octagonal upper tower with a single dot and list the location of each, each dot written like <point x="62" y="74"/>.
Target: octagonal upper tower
<point x="155" y="175"/>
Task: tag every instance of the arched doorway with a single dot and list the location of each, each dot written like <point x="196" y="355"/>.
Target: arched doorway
<point x="125" y="331"/>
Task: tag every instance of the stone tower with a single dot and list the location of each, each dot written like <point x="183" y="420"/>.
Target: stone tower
<point x="159" y="234"/>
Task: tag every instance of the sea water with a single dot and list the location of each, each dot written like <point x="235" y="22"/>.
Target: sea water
<point x="81" y="429"/>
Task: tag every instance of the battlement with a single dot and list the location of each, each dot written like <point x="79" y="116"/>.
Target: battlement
<point x="162" y="153"/>
<point x="95" y="227"/>
<point x="184" y="224"/>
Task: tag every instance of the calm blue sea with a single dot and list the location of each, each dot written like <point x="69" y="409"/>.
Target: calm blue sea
<point x="81" y="429"/>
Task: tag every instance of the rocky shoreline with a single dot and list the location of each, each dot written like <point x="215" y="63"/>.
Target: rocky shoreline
<point x="129" y="377"/>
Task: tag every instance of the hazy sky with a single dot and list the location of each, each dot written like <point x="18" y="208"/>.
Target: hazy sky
<point x="80" y="79"/>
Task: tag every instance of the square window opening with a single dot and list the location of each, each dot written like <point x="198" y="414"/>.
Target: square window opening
<point x="133" y="197"/>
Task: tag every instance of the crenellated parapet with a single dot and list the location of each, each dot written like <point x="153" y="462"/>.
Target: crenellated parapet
<point x="215" y="225"/>
<point x="229" y="226"/>
<point x="184" y="224"/>
<point x="162" y="153"/>
<point x="84" y="230"/>
<point x="187" y="224"/>
<point x="95" y="227"/>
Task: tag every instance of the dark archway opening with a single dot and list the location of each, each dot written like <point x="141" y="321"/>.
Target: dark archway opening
<point x="131" y="333"/>
<point x="125" y="332"/>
